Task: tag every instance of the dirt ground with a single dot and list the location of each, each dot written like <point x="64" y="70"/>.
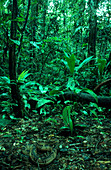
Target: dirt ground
<point x="88" y="148"/>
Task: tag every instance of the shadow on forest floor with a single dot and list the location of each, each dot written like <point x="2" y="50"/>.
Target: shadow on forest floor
<point x="89" y="147"/>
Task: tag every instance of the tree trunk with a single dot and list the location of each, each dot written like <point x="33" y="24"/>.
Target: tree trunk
<point x="92" y="27"/>
<point x="16" y="98"/>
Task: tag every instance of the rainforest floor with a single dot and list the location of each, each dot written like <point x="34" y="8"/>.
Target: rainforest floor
<point x="89" y="146"/>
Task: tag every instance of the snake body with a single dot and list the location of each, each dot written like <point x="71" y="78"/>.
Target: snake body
<point x="31" y="151"/>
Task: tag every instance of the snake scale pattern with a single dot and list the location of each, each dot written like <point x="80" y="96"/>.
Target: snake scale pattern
<point x="31" y="151"/>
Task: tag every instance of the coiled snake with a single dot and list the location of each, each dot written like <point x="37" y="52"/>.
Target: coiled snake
<point x="31" y="151"/>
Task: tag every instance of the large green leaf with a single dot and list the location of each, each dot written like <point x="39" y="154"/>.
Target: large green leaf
<point x="42" y="102"/>
<point x="91" y="93"/>
<point x="66" y="114"/>
<point x="84" y="62"/>
<point x="101" y="65"/>
<point x="67" y="118"/>
<point x="23" y="75"/>
<point x="15" y="41"/>
<point x="70" y="61"/>
<point x="71" y="83"/>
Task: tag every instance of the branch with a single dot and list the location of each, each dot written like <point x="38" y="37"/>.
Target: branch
<point x="103" y="101"/>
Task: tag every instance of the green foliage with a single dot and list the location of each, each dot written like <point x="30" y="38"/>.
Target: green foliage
<point x="42" y="102"/>
<point x="71" y="84"/>
<point x="5" y="92"/>
<point x="15" y="41"/>
<point x="30" y="90"/>
<point x="23" y="75"/>
<point x="91" y="93"/>
<point x="1" y="4"/>
<point x="53" y="92"/>
<point x="27" y="88"/>
<point x="87" y="60"/>
<point x="67" y="118"/>
<point x="70" y="61"/>
<point x="42" y="89"/>
<point x="47" y="37"/>
<point x="101" y="65"/>
<point x="35" y="44"/>
<point x="51" y="120"/>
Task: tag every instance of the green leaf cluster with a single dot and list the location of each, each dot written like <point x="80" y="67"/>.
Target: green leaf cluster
<point x="67" y="118"/>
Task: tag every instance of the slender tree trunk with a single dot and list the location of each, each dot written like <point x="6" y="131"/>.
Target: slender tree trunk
<point x="16" y="99"/>
<point x="92" y="28"/>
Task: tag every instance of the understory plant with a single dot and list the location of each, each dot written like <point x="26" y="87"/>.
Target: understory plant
<point x="28" y="90"/>
<point x="101" y="65"/>
<point x="5" y="95"/>
<point x="66" y="114"/>
<point x="33" y="94"/>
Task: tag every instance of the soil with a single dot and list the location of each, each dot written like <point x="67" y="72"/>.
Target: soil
<point x="89" y="147"/>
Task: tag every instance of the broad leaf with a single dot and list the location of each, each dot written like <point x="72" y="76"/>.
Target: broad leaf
<point x="23" y="75"/>
<point x="84" y="62"/>
<point x="91" y="93"/>
<point x="15" y="41"/>
<point x="70" y="61"/>
<point x="101" y="65"/>
<point x="42" y="102"/>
